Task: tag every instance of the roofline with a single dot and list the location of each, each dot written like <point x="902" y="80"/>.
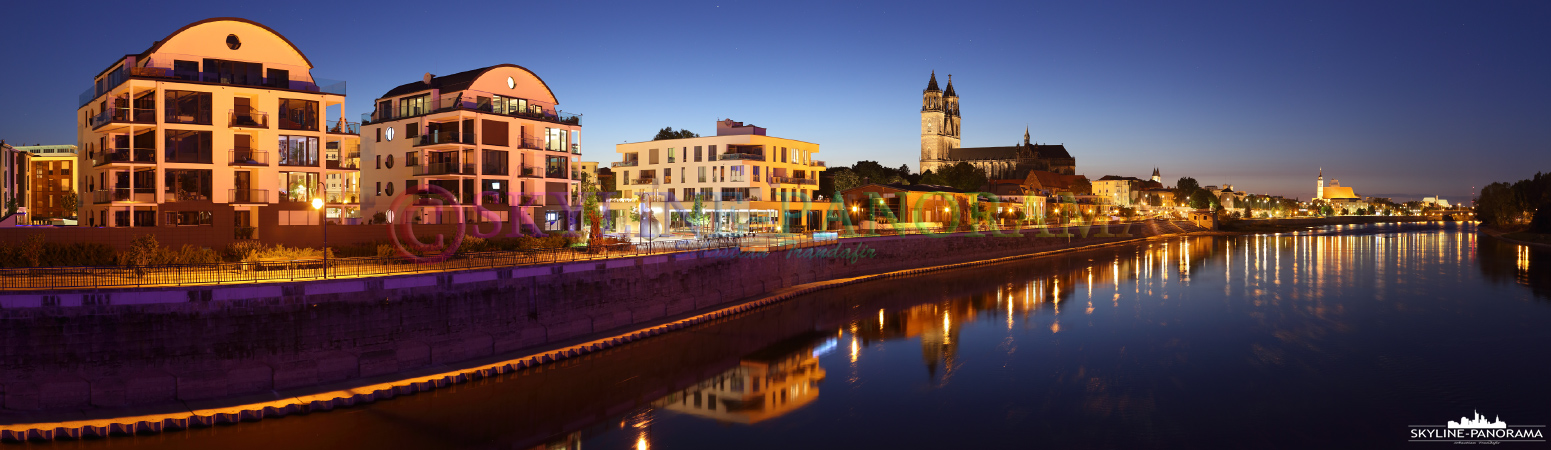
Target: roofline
<point x="476" y="77"/>
<point x="158" y="44"/>
<point x="730" y="135"/>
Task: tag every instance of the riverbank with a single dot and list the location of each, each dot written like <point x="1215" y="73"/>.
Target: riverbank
<point x="473" y="316"/>
<point x="1519" y="237"/>
<point x="1258" y="226"/>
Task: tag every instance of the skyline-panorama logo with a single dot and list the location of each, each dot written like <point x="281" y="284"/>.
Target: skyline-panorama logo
<point x="1477" y="430"/>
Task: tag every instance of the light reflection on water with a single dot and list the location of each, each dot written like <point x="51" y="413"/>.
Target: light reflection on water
<point x="1335" y="337"/>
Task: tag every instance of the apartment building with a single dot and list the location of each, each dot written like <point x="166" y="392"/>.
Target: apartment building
<point x="51" y="194"/>
<point x="221" y="123"/>
<point x="1118" y="190"/>
<point x="13" y="181"/>
<point x="492" y="137"/>
<point x="750" y="172"/>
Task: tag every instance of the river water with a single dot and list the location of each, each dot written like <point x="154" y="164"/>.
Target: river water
<point x="1336" y="337"/>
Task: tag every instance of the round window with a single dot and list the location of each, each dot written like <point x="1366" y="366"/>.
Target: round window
<point x="388" y="133"/>
<point x="232" y="41"/>
<point x="389" y="190"/>
<point x="390" y="161"/>
<point x="511" y="83"/>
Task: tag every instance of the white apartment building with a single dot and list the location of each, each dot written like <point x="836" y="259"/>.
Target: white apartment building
<point x="491" y="137"/>
<point x="748" y="172"/>
<point x="220" y="123"/>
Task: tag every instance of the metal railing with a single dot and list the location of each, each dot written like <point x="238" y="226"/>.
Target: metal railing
<point x="142" y="195"/>
<point x="440" y="138"/>
<point x="249" y="196"/>
<point x="625" y="163"/>
<point x="444" y="168"/>
<point x="247" y="158"/>
<point x="342" y="197"/>
<point x="247" y="118"/>
<point x="163" y="68"/>
<point x="791" y="180"/>
<point x="342" y="164"/>
<point x="142" y="116"/>
<point x="185" y="196"/>
<point x="535" y="111"/>
<point x="344" y="127"/>
<point x="740" y="157"/>
<point x="44" y="278"/>
<point x="124" y="155"/>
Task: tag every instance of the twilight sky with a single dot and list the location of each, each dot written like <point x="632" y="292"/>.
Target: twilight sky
<point x="1401" y="99"/>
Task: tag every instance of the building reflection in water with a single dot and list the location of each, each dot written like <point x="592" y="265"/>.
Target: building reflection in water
<point x="766" y="384"/>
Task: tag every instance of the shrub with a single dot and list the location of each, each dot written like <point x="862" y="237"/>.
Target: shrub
<point x="32" y="250"/>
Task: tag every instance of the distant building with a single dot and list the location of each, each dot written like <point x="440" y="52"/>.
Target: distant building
<point x="940" y="142"/>
<point x="54" y="173"/>
<point x="1435" y="201"/>
<point x="1121" y="191"/>
<point x="13" y="180"/>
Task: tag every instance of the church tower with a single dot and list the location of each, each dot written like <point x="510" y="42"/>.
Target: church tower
<point x="939" y="124"/>
<point x="1319" y="189"/>
<point x="1156" y="177"/>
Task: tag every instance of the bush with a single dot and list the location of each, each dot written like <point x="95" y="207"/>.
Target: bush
<point x="283" y="253"/>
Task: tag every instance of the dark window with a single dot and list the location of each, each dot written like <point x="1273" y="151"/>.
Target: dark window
<point x="187" y="184"/>
<point x="379" y="135"/>
<point x="390" y="188"/>
<point x="185" y="70"/>
<point x="232" y="42"/>
<point x="188" y="107"/>
<point x="298" y="114"/>
<point x="279" y="78"/>
<point x="187" y="218"/>
<point x="411" y="130"/>
<point x="379" y="161"/>
<point x="185" y="146"/>
<point x="233" y="72"/>
<point x="390" y="161"/>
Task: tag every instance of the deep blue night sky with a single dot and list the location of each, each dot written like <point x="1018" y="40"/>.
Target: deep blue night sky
<point x="1399" y="99"/>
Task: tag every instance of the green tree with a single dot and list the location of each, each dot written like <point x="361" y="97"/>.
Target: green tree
<point x="71" y="202"/>
<point x="846" y="179"/>
<point x="963" y="176"/>
<point x="698" y="217"/>
<point x="670" y="133"/>
<point x="591" y="209"/>
<point x="1185" y="191"/>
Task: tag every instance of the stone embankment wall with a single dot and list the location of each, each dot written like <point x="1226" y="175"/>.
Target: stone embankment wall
<point x="134" y="347"/>
<point x="1338" y="220"/>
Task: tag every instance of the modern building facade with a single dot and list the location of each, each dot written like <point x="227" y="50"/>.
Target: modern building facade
<point x="219" y="123"/>
<point x="13" y="181"/>
<point x="750" y="173"/>
<point x="51" y="193"/>
<point x="492" y="138"/>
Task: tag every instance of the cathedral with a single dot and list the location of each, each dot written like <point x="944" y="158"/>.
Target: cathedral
<point x="940" y="142"/>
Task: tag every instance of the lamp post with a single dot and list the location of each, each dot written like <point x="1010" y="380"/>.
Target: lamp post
<point x="317" y="203"/>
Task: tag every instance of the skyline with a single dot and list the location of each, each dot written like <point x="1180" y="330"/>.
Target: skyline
<point x="1402" y="102"/>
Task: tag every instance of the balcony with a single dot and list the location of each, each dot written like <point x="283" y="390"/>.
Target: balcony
<point x="625" y="163"/>
<point x="816" y="163"/>
<point x="495" y="169"/>
<point x="126" y="156"/>
<point x="247" y="118"/>
<point x="344" y="164"/>
<point x="530" y="171"/>
<point x="444" y="168"/>
<point x="790" y="180"/>
<point x="343" y="127"/>
<point x="138" y="195"/>
<point x="342" y="197"/>
<point x="298" y="120"/>
<point x="439" y="138"/>
<point x="494" y="198"/>
<point x="643" y="180"/>
<point x="741" y="157"/>
<point x="247" y="196"/>
<point x="162" y="68"/>
<point x="531" y="200"/>
<point x="536" y="111"/>
<point x="120" y="117"/>
<point x="246" y="157"/>
<point x="185" y="196"/>
<point x="555" y="173"/>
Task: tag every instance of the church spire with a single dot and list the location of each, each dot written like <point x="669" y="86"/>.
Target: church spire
<point x="950" y="92"/>
<point x="931" y="86"/>
<point x="1322" y="172"/>
<point x="1025" y="136"/>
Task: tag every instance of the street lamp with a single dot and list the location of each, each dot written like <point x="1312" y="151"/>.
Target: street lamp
<point x="317" y="203"/>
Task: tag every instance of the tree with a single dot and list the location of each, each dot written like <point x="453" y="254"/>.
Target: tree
<point x="606" y="180"/>
<point x="590" y="209"/>
<point x="1185" y="190"/>
<point x="846" y="179"/>
<point x="670" y="133"/>
<point x="962" y="176"/>
<point x="70" y="202"/>
<point x="10" y="206"/>
<point x="698" y="216"/>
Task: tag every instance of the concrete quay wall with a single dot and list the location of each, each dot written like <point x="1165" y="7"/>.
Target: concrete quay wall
<point x="79" y="351"/>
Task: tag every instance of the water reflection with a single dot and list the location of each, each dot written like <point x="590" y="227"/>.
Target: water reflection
<point x="1371" y="327"/>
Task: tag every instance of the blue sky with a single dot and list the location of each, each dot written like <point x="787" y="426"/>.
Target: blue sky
<point x="1399" y="99"/>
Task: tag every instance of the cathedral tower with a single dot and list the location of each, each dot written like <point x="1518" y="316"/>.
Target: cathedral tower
<point x="939" y="124"/>
<point x="1319" y="188"/>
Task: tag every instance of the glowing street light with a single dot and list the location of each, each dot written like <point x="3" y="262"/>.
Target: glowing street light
<point x="317" y="203"/>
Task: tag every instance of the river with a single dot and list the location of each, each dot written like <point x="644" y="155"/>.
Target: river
<point x="1342" y="336"/>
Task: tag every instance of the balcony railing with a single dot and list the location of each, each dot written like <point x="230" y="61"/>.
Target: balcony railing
<point x="495" y="169"/>
<point x="199" y="116"/>
<point x="816" y="163"/>
<point x="163" y="68"/>
<point x="342" y="197"/>
<point x="536" y="111"/>
<point x="185" y="196"/>
<point x="124" y="155"/>
<point x="142" y="195"/>
<point x="553" y="173"/>
<point x="247" y="118"/>
<point x="247" y="158"/>
<point x="495" y="198"/>
<point x="444" y="168"/>
<point x="343" y="164"/>
<point x="642" y="180"/>
<point x="440" y="138"/>
<point x="530" y="171"/>
<point x="298" y="120"/>
<point x="343" y="127"/>
<point x="741" y="157"/>
<point x="625" y="163"/>
<point x="141" y="116"/>
<point x="248" y="196"/>
<point x="790" y="180"/>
